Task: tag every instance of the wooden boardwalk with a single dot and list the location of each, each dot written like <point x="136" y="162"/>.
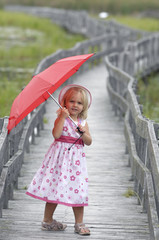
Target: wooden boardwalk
<point x="110" y="215"/>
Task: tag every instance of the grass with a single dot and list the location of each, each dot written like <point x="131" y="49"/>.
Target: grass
<point x="40" y="37"/>
<point x="149" y="97"/>
<point x="129" y="193"/>
<point x="94" y="6"/>
<point x="136" y="22"/>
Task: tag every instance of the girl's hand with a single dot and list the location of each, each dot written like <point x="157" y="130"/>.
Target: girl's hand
<point x="59" y="122"/>
<point x="81" y="128"/>
<point x="86" y="137"/>
<point x="64" y="113"/>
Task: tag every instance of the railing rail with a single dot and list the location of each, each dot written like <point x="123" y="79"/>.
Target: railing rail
<point x="138" y="59"/>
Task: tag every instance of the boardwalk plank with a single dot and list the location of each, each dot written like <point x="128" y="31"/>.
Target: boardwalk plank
<point x="110" y="215"/>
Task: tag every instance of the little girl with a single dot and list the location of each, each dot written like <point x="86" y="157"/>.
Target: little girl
<point x="63" y="178"/>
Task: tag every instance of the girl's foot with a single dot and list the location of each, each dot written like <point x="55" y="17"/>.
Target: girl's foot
<point x="54" y="226"/>
<point x="81" y="229"/>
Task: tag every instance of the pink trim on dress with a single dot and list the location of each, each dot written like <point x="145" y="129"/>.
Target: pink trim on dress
<point x="68" y="139"/>
<point x="57" y="202"/>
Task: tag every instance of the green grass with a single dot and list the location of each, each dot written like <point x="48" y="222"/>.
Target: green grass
<point x="95" y="6"/>
<point x="149" y="97"/>
<point x="52" y="38"/>
<point x="49" y="39"/>
<point x="136" y="22"/>
<point x="129" y="193"/>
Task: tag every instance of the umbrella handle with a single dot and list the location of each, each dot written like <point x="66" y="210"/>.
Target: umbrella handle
<point x="61" y="108"/>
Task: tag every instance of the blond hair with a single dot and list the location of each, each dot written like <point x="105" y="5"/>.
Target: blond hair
<point x="67" y="96"/>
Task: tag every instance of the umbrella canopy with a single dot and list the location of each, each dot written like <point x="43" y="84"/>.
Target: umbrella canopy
<point x="37" y="89"/>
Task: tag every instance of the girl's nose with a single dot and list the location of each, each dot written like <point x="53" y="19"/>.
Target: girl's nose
<point x="75" y="104"/>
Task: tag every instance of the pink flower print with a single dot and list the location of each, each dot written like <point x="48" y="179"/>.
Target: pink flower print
<point x="50" y="184"/>
<point x="56" y="172"/>
<point x="43" y="166"/>
<point x="71" y="188"/>
<point x="39" y="187"/>
<point x="69" y="197"/>
<point x="61" y="195"/>
<point x="73" y="153"/>
<point x="34" y="190"/>
<point x="41" y="172"/>
<point x="83" y="154"/>
<point x="70" y="170"/>
<point x="47" y="180"/>
<point x="54" y="180"/>
<point x="87" y="199"/>
<point x="43" y="188"/>
<point x="86" y="179"/>
<point x="60" y="173"/>
<point x="65" y="177"/>
<point x="77" y="162"/>
<point x="65" y="129"/>
<point x="51" y="170"/>
<point x="72" y="178"/>
<point x="34" y="182"/>
<point x="78" y="173"/>
<point x="76" y="190"/>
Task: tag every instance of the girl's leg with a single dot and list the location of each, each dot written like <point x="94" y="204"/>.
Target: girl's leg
<point x="50" y="224"/>
<point x="78" y="213"/>
<point x="79" y="225"/>
<point x="49" y="211"/>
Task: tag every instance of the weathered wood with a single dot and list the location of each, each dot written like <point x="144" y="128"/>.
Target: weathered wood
<point x="110" y="215"/>
<point x="140" y="133"/>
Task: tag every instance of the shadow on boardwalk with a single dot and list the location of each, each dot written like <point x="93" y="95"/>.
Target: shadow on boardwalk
<point x="110" y="215"/>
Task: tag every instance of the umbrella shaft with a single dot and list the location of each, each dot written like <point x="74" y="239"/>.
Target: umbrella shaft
<point x="61" y="108"/>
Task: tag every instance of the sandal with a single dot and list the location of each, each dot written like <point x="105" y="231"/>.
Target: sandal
<point x="81" y="229"/>
<point x="54" y="226"/>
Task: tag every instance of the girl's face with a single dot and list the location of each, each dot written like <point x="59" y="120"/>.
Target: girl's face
<point x="75" y="104"/>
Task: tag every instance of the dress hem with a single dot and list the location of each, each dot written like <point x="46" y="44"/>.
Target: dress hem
<point x="57" y="202"/>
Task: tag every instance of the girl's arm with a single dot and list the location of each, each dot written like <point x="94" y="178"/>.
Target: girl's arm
<point x="86" y="137"/>
<point x="59" y="122"/>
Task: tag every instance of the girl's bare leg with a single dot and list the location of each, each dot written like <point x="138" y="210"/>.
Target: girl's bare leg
<point x="49" y="211"/>
<point x="78" y="213"/>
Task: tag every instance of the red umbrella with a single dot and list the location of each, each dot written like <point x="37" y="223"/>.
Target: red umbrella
<point x="38" y="89"/>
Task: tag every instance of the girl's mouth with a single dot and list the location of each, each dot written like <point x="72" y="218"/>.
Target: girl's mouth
<point x="74" y="109"/>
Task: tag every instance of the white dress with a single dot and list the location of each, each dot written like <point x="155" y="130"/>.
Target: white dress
<point x="62" y="177"/>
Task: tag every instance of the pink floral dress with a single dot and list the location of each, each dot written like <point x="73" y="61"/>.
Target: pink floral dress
<point x="62" y="177"/>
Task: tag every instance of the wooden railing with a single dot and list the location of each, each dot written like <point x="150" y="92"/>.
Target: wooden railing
<point x="138" y="59"/>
